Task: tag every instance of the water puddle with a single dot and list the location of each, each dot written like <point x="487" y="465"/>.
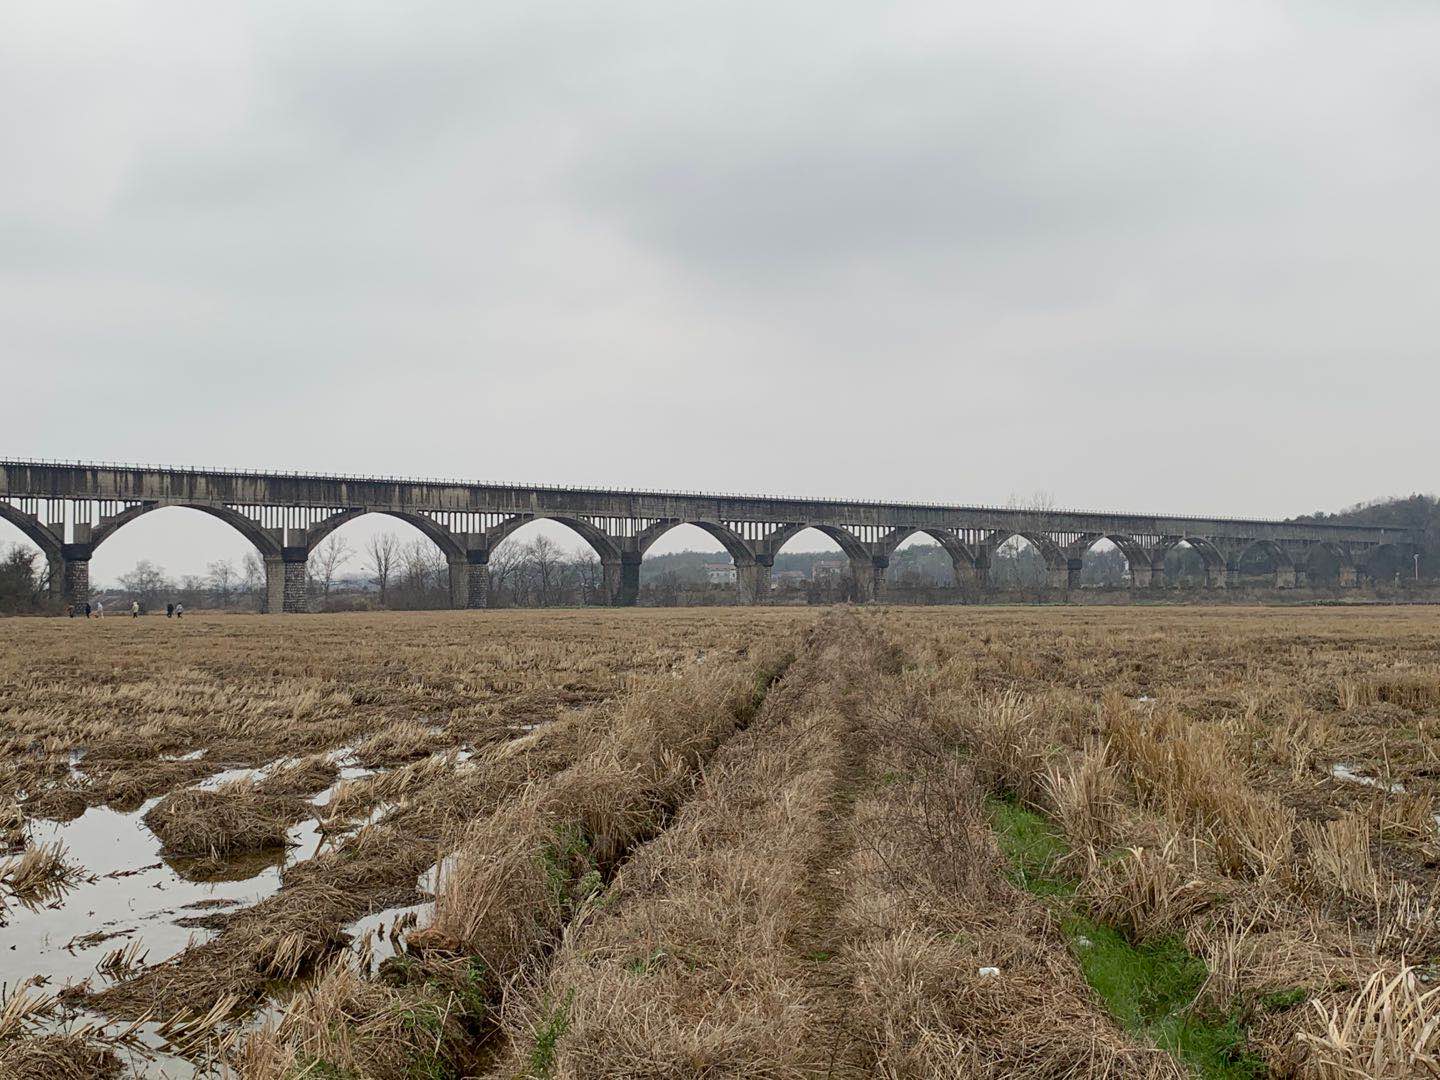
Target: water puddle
<point x="129" y="891"/>
<point x="379" y="934"/>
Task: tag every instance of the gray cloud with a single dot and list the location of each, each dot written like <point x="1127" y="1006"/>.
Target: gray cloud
<point x="1135" y="256"/>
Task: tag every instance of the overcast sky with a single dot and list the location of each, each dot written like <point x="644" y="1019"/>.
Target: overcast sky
<point x="1174" y="257"/>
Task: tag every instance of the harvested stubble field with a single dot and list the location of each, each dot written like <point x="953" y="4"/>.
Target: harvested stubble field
<point x="770" y="843"/>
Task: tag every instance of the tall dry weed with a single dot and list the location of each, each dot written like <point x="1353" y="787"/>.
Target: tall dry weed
<point x="1388" y="1030"/>
<point x="1085" y="796"/>
<point x="1148" y="893"/>
<point x="1338" y="855"/>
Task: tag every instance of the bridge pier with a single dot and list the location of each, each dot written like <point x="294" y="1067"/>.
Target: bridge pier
<point x="470" y="580"/>
<point x="753" y="581"/>
<point x="1141" y="575"/>
<point x="869" y="578"/>
<point x="977" y="573"/>
<point x="1072" y="572"/>
<point x="1349" y="577"/>
<point x="622" y="579"/>
<point x="74" y="583"/>
<point x="1057" y="577"/>
<point x="286" y="589"/>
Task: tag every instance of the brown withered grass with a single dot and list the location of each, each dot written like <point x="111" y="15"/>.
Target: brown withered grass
<point x="638" y="879"/>
<point x="237" y="817"/>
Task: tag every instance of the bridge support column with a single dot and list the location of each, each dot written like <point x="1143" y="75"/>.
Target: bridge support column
<point x="286" y="590"/>
<point x="977" y="574"/>
<point x="1349" y="577"/>
<point x="470" y="580"/>
<point x="1057" y="577"/>
<point x="622" y="580"/>
<point x="74" y="566"/>
<point x="1072" y="572"/>
<point x="1219" y="576"/>
<point x="1141" y="575"/>
<point x="869" y="578"/>
<point x="753" y="582"/>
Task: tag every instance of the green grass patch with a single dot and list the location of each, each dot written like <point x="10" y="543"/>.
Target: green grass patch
<point x="1032" y="846"/>
<point x="1148" y="988"/>
<point x="548" y="1036"/>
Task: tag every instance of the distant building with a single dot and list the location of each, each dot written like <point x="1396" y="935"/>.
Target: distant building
<point x="783" y="578"/>
<point x="720" y="573"/>
<point x="826" y="568"/>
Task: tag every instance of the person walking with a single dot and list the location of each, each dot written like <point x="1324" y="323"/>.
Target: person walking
<point x="179" y="610"/>
<point x="87" y="609"/>
<point x="170" y="609"/>
<point x="134" y="609"/>
<point x="99" y="610"/>
<point x="69" y="611"/>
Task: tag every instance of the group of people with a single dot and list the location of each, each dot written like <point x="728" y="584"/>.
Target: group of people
<point x="97" y="610"/>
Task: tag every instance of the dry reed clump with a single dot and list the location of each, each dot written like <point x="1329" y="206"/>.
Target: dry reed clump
<point x="1417" y="691"/>
<point x="1299" y="741"/>
<point x="399" y="742"/>
<point x="303" y="777"/>
<point x="1388" y="1030"/>
<point x="1406" y="920"/>
<point x="355" y="796"/>
<point x="1011" y="745"/>
<point x="1184" y="769"/>
<point x="57" y="1057"/>
<point x="1085" y="797"/>
<point x="1411" y="820"/>
<point x="234" y="818"/>
<point x="28" y="1050"/>
<point x="1338" y="856"/>
<point x="12" y="829"/>
<point x="40" y="872"/>
<point x="347" y="1025"/>
<point x="1147" y="893"/>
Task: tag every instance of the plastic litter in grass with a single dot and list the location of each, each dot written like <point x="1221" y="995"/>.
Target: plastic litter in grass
<point x="193" y="755"/>
<point x="1341" y="771"/>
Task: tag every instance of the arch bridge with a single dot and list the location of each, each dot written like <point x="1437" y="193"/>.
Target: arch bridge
<point x="70" y="509"/>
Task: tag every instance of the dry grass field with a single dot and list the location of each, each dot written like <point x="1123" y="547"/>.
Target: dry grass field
<point x="906" y="843"/>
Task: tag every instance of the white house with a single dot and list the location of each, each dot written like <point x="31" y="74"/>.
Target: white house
<point x="720" y="573"/>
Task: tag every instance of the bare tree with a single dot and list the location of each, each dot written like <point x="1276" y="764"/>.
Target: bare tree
<point x="222" y="580"/>
<point x="423" y="570"/>
<point x="505" y="567"/>
<point x="544" y="560"/>
<point x="591" y="575"/>
<point x="381" y="554"/>
<point x="146" y="582"/>
<point x="326" y="559"/>
<point x="252" y="569"/>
